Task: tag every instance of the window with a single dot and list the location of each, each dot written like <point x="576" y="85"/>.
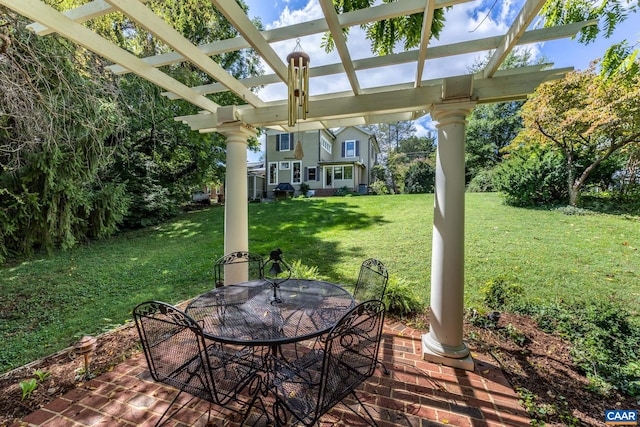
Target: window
<point x="348" y="172"/>
<point x="350" y="148"/>
<point x="296" y="176"/>
<point x="283" y="142"/>
<point x="326" y="145"/>
<point x="337" y="172"/>
<point x="312" y="174"/>
<point x="273" y="173"/>
<point x="285" y="166"/>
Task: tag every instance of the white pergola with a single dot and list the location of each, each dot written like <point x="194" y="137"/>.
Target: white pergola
<point x="448" y="100"/>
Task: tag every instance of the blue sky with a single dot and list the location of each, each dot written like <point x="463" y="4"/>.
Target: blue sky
<point x="475" y="19"/>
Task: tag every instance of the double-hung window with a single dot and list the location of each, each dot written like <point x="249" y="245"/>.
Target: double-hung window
<point x="284" y="142"/>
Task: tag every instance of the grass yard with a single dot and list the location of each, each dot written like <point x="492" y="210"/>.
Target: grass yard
<point x="48" y="302"/>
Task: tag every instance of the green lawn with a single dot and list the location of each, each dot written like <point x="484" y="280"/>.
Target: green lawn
<point x="48" y="302"/>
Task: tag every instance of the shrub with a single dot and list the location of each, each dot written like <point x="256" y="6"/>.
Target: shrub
<point x="304" y="189"/>
<point x="400" y="298"/>
<point x="482" y="182"/>
<point x="535" y="177"/>
<point x="379" y="187"/>
<point x="420" y="178"/>
<point x="498" y="294"/>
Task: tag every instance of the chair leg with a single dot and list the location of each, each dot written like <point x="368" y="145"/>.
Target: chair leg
<point x="162" y="420"/>
<point x="384" y="368"/>
<point x="368" y="420"/>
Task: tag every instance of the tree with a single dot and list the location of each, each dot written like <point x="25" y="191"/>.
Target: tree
<point x="385" y="34"/>
<point x="59" y="126"/>
<point x="585" y="116"/>
<point x="420" y="177"/>
<point x="620" y="57"/>
<point x="491" y="127"/>
<point x="163" y="160"/>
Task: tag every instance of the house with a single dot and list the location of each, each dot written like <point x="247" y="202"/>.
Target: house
<point x="332" y="160"/>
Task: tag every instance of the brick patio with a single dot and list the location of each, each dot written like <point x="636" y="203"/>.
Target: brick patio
<point x="415" y="393"/>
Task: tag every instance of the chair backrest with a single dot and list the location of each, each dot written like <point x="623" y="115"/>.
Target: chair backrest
<point x="254" y="263"/>
<point x="351" y="353"/>
<point x="174" y="347"/>
<point x="372" y="281"/>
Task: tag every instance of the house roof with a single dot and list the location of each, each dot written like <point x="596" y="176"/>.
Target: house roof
<point x="353" y="107"/>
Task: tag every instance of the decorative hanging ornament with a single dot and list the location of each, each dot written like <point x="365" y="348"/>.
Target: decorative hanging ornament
<point x="298" y="83"/>
<point x="298" y="153"/>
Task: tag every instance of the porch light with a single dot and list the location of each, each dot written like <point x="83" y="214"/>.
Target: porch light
<point x="298" y="83"/>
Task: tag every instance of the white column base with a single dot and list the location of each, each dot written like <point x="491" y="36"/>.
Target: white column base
<point x="435" y="352"/>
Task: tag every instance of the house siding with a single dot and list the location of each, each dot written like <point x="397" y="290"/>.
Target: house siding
<point x="317" y="161"/>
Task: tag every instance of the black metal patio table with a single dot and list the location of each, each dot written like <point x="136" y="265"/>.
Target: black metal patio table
<point x="260" y="315"/>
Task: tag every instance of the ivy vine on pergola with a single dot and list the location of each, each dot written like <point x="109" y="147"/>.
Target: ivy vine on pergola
<point x="448" y="100"/>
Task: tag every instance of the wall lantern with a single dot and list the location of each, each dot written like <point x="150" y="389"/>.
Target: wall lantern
<point x="298" y="83"/>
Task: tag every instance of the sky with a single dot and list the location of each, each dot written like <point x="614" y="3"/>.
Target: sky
<point x="471" y="20"/>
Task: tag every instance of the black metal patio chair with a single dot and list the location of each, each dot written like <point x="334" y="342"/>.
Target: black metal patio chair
<point x="309" y="387"/>
<point x="372" y="284"/>
<point x="254" y="264"/>
<point x="372" y="280"/>
<point x="178" y="355"/>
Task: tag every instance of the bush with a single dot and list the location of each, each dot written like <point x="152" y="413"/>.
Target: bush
<point x="498" y="294"/>
<point x="482" y="182"/>
<point x="420" y="178"/>
<point x="304" y="189"/>
<point x="400" y="298"/>
<point x="379" y="187"/>
<point x="532" y="177"/>
<point x="605" y="339"/>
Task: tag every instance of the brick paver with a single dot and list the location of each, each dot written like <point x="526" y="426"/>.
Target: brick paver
<point x="415" y="393"/>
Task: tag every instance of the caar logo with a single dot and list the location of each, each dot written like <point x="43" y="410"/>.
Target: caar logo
<point x="621" y="417"/>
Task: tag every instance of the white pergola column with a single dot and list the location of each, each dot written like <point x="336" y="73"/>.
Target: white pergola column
<point x="236" y="211"/>
<point x="443" y="344"/>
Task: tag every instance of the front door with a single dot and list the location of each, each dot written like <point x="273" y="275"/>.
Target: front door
<point x="328" y="177"/>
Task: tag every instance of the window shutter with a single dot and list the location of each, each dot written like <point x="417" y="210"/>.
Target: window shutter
<point x="343" y="148"/>
<point x="357" y="148"/>
<point x="291" y="144"/>
<point x="278" y="142"/>
<point x="318" y="173"/>
<point x="306" y="173"/>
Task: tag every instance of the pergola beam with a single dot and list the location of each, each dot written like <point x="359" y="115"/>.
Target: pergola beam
<point x="80" y="14"/>
<point x="51" y="18"/>
<point x="442" y="51"/>
<point x="250" y="33"/>
<point x="316" y="26"/>
<point x="427" y="21"/>
<point x="163" y="31"/>
<point x="326" y="111"/>
<point x="510" y="39"/>
<point x="340" y="43"/>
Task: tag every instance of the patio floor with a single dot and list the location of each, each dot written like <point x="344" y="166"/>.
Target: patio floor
<point x="415" y="393"/>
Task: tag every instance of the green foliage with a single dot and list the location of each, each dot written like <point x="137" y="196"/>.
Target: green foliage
<point x="304" y="189"/>
<point x="28" y="387"/>
<point x="572" y="210"/>
<point x="401" y="299"/>
<point x="540" y="412"/>
<point x="532" y="177"/>
<point x="385" y="34"/>
<point x="57" y="146"/>
<point x="482" y="182"/>
<point x="379" y="187"/>
<point x="345" y="191"/>
<point x="499" y="295"/>
<point x="605" y="339"/>
<point x="302" y="271"/>
<point x="420" y="177"/>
